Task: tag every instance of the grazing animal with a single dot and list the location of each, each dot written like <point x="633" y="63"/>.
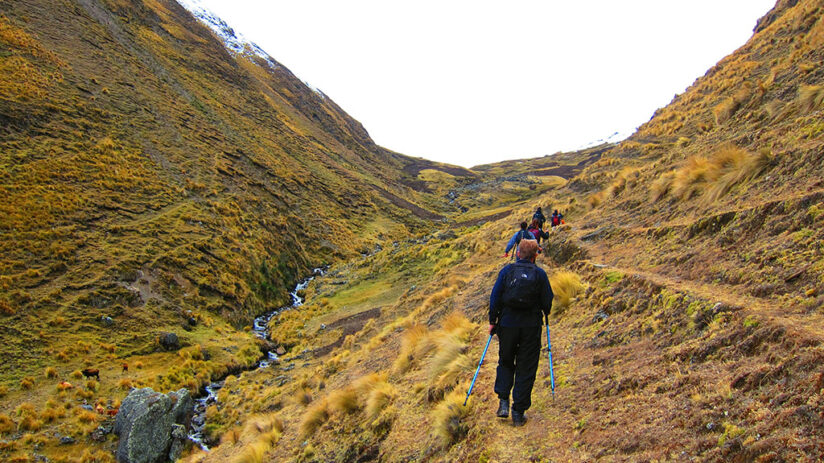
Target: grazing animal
<point x="125" y="367"/>
<point x="91" y="373"/>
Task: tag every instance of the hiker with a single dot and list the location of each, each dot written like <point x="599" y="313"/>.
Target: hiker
<point x="556" y="219"/>
<point x="520" y="295"/>
<point x="540" y="216"/>
<point x="537" y="233"/>
<point x="519" y="235"/>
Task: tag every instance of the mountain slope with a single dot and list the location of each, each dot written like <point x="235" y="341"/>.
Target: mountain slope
<point x="154" y="181"/>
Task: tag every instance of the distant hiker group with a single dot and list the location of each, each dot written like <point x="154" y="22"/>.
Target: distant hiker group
<point x="534" y="231"/>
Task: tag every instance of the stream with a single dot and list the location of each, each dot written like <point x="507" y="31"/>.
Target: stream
<point x="261" y="329"/>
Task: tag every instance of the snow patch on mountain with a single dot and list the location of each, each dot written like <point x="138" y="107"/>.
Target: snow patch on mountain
<point x="615" y="137"/>
<point x="234" y="41"/>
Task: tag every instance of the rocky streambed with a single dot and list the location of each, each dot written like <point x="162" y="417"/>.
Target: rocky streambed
<point x="261" y="329"/>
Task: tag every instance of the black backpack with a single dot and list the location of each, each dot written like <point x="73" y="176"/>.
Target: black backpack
<point x="522" y="291"/>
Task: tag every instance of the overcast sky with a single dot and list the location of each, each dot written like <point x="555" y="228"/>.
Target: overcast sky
<point x="473" y="82"/>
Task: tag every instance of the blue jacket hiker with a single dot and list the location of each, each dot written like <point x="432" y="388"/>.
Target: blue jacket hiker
<point x="521" y="296"/>
<point x="522" y="234"/>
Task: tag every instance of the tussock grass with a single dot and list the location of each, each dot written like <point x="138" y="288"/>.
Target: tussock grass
<point x="7" y="425"/>
<point x="661" y="186"/>
<point x="230" y="437"/>
<point x="379" y="398"/>
<point x="344" y="401"/>
<point x="26" y="383"/>
<point x="712" y="177"/>
<point x="413" y="337"/>
<point x="448" y="419"/>
<point x="253" y="453"/>
<point x="811" y="97"/>
<point x="50" y="372"/>
<point x="303" y="396"/>
<point x="314" y="418"/>
<point x="449" y="361"/>
<point x="565" y="286"/>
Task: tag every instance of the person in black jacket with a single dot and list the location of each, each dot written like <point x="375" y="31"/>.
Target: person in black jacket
<point x="520" y="297"/>
<point x="540" y="216"/>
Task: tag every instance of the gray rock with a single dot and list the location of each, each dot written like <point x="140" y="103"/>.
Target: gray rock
<point x="169" y="341"/>
<point x="179" y="439"/>
<point x="66" y="440"/>
<point x="87" y="407"/>
<point x="145" y="424"/>
<point x="106" y="320"/>
<point x="183" y="406"/>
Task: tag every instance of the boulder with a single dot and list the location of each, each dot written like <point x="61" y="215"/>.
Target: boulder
<point x="146" y="425"/>
<point x="168" y="341"/>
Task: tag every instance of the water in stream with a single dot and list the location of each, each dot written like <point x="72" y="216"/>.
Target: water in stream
<point x="261" y="329"/>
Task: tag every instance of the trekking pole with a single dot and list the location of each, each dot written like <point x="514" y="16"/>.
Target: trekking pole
<point x="549" y="351"/>
<point x="478" y="370"/>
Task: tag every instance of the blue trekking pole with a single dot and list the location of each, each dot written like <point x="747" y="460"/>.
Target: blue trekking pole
<point x="549" y="350"/>
<point x="478" y="370"/>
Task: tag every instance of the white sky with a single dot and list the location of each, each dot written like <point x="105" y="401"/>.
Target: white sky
<point x="473" y="82"/>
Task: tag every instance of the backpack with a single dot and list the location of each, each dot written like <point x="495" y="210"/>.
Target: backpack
<point x="521" y="288"/>
<point x="521" y="235"/>
<point x="556" y="220"/>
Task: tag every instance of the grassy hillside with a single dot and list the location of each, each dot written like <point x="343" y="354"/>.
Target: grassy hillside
<point x="690" y="322"/>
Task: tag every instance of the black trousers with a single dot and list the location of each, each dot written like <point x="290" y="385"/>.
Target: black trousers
<point x="518" y="353"/>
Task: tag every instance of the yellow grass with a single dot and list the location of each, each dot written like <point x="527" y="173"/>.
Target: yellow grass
<point x="314" y="418"/>
<point x="811" y="97"/>
<point x="448" y="419"/>
<point x="253" y="453"/>
<point x="712" y="177"/>
<point x="413" y="336"/>
<point x="379" y="398"/>
<point x="565" y="286"/>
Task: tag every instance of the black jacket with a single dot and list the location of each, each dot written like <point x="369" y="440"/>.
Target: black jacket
<point x="506" y="316"/>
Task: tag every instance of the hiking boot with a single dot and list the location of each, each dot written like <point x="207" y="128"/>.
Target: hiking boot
<point x="518" y="418"/>
<point x="503" y="409"/>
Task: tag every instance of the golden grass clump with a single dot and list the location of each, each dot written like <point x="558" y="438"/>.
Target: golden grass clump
<point x="413" y="337"/>
<point x="138" y="365"/>
<point x="661" y="186"/>
<point x="714" y="176"/>
<point x="29" y="423"/>
<point x="77" y="374"/>
<point x="125" y="384"/>
<point x="379" y="398"/>
<point x="565" y="287"/>
<point x="253" y="453"/>
<point x="303" y="396"/>
<point x="262" y="424"/>
<point x="449" y="361"/>
<point x="7" y="425"/>
<point x="344" y="400"/>
<point x="6" y="308"/>
<point x="448" y="419"/>
<point x="26" y="383"/>
<point x="811" y="97"/>
<point x="314" y="418"/>
<point x="3" y="391"/>
<point x="230" y="437"/>
<point x="51" y="372"/>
